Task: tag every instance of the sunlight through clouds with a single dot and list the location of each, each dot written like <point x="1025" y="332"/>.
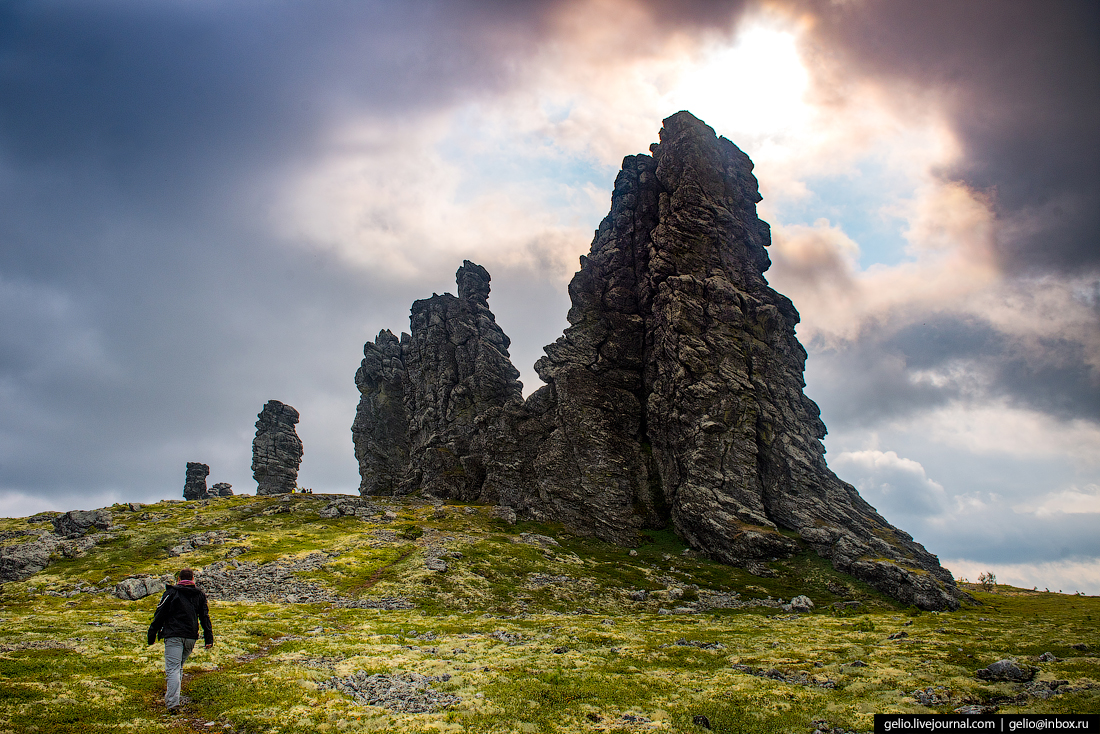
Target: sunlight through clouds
<point x="755" y="87"/>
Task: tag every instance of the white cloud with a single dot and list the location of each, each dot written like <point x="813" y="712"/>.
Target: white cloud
<point x="996" y="428"/>
<point x="1073" y="500"/>
<point x="1067" y="577"/>
<point x="894" y="485"/>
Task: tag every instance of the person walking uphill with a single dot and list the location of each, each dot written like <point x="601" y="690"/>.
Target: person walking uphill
<point x="180" y="610"/>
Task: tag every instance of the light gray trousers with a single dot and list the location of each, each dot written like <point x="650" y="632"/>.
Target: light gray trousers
<point x="176" y="652"/>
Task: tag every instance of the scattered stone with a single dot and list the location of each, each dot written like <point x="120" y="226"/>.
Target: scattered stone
<point x="42" y="517"/>
<point x="1080" y="646"/>
<point x="1044" y="689"/>
<point x="502" y="512"/>
<point x="199" y="540"/>
<point x="700" y="644"/>
<point x="898" y="636"/>
<point x="138" y="587"/>
<point x="932" y="696"/>
<point x="632" y="553"/>
<point x="1047" y="657"/>
<point x="542" y="541"/>
<point x="797" y="678"/>
<point x="350" y="507"/>
<point x="402" y="692"/>
<point x="76" y="523"/>
<point x="78" y="547"/>
<point x="802" y="604"/>
<point x="538" y="580"/>
<point x="560" y="650"/>
<point x="857" y="664"/>
<point x="701" y="720"/>
<point x="638" y="595"/>
<point x="1007" y="670"/>
<point x="194" y="484"/>
<point x="276" y="450"/>
<point x="435" y="564"/>
<point x="510" y="638"/>
<point x="976" y="710"/>
<point x="821" y="726"/>
<point x="244" y="581"/>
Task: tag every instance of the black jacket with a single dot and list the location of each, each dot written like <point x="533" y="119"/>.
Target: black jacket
<point x="178" y="614"/>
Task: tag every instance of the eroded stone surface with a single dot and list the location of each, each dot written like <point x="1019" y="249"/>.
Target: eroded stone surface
<point x="276" y="450"/>
<point x="194" y="485"/>
<point x="675" y="397"/>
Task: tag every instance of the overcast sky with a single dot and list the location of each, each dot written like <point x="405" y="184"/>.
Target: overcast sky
<point x="208" y="205"/>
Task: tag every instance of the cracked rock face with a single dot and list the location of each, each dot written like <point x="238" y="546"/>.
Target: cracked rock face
<point x="276" y="450"/>
<point x="675" y="397"/>
<point x="425" y="396"/>
<point x="194" y="486"/>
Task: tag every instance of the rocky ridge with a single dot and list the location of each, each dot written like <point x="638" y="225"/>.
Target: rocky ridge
<point x="675" y="397"/>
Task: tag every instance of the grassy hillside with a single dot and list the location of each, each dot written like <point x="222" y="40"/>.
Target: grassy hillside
<point x="520" y="628"/>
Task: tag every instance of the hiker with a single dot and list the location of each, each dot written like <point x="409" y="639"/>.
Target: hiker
<point x="176" y="621"/>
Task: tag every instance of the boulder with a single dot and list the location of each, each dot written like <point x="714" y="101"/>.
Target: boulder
<point x="76" y="523"/>
<point x="802" y="604"/>
<point x="23" y="560"/>
<point x="138" y="587"/>
<point x="1007" y="670"/>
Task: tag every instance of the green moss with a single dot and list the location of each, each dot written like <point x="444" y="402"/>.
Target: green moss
<point x="548" y="668"/>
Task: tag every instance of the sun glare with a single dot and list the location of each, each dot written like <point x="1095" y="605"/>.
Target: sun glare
<point x="754" y="87"/>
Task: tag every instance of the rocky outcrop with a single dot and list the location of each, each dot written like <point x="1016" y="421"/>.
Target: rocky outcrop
<point x="381" y="430"/>
<point x="426" y="396"/>
<point x="276" y="450"/>
<point x="75" y="523"/>
<point x="23" y="560"/>
<point x="221" y="489"/>
<point x="675" y="397"/>
<point x="194" y="485"/>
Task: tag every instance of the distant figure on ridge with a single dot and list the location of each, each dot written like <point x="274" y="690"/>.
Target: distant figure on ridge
<point x="276" y="450"/>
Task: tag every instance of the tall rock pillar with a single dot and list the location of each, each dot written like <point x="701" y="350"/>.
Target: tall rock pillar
<point x="276" y="450"/>
<point x="194" y="485"/>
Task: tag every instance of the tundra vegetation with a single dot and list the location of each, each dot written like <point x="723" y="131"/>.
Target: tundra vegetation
<point x="484" y="626"/>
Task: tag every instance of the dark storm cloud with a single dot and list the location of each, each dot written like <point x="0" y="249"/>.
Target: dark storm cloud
<point x="148" y="314"/>
<point x="947" y="357"/>
<point x="1021" y="85"/>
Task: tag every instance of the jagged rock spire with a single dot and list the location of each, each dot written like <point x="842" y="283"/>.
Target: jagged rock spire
<point x="675" y="397"/>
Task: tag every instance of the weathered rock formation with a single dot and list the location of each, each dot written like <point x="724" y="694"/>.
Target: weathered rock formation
<point x="673" y="398"/>
<point x="194" y="485"/>
<point x="222" y="489"/>
<point x="276" y="450"/>
<point x="423" y="397"/>
<point x="76" y="523"/>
